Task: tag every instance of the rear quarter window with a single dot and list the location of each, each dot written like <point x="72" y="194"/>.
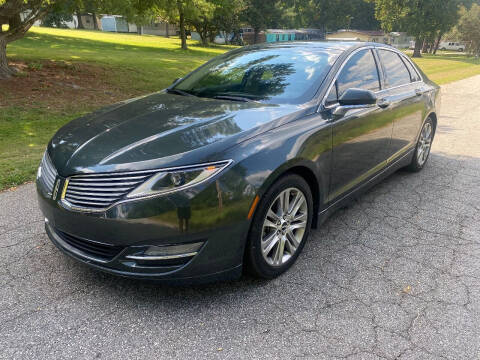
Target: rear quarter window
<point x="413" y="72"/>
<point x="396" y="72"/>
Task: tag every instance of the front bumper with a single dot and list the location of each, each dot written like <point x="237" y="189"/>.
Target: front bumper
<point x="107" y="240"/>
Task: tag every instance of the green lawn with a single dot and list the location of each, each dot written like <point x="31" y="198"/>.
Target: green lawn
<point x="144" y="63"/>
<point x="444" y="68"/>
<point x="133" y="65"/>
<point x="66" y="73"/>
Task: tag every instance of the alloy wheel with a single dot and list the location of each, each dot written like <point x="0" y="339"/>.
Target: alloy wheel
<point x="284" y="226"/>
<point x="425" y="143"/>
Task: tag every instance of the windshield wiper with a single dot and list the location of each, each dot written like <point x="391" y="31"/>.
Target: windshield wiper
<point x="179" y="92"/>
<point x="233" y="98"/>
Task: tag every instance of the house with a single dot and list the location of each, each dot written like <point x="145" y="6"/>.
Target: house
<point x="161" y="28"/>
<point x="400" y="40"/>
<point x="359" y="35"/>
<point x="276" y="35"/>
<point x="88" y="21"/>
<point x="309" y="34"/>
<point x="117" y="23"/>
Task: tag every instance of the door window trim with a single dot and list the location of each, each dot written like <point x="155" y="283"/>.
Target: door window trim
<point x="403" y="57"/>
<point x="382" y="81"/>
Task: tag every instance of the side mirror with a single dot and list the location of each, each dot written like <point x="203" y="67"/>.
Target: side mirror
<point x="354" y="99"/>
<point x="357" y="97"/>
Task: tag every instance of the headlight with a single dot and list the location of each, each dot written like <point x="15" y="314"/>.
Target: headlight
<point x="176" y="179"/>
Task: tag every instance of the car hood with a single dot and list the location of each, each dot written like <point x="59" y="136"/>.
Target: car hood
<point x="160" y="130"/>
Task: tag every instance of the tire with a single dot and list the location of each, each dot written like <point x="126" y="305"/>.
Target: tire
<point x="443" y="49"/>
<point x="268" y="264"/>
<point x="424" y="145"/>
<point x="460" y="50"/>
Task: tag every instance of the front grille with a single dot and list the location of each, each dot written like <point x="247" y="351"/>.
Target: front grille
<point x="47" y="173"/>
<point x="99" y="191"/>
<point x="100" y="251"/>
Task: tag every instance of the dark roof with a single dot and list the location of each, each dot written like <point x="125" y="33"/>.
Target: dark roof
<point x="312" y="44"/>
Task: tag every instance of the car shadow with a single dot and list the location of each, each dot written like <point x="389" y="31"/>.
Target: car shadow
<point x="392" y="195"/>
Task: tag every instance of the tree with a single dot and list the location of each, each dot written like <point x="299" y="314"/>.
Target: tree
<point x="363" y="15"/>
<point x="201" y="18"/>
<point x="469" y="28"/>
<point x="423" y="19"/>
<point x="19" y="15"/>
<point x="227" y="16"/>
<point x="58" y="15"/>
<point x="173" y="11"/>
<point x="260" y="14"/>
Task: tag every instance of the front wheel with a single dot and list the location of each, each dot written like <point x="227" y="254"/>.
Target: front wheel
<point x="424" y="145"/>
<point x="280" y="227"/>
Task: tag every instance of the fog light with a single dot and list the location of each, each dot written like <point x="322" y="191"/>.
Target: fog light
<point x="168" y="252"/>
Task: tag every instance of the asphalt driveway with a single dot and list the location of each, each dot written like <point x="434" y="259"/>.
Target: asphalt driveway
<point x="394" y="276"/>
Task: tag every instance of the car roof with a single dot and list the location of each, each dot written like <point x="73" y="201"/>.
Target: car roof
<point x="332" y="45"/>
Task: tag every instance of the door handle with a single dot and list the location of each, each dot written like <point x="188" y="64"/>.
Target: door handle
<point x="383" y="103"/>
<point x="419" y="92"/>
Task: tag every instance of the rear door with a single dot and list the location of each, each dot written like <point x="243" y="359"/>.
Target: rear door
<point x="360" y="139"/>
<point x="404" y="93"/>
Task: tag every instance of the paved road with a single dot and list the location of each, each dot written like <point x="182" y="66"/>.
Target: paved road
<point x="394" y="276"/>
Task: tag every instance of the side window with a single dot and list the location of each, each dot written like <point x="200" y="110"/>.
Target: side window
<point x="395" y="70"/>
<point x="360" y="72"/>
<point x="413" y="72"/>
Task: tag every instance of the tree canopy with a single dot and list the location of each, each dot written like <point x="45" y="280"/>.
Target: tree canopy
<point x="427" y="20"/>
<point x="469" y="28"/>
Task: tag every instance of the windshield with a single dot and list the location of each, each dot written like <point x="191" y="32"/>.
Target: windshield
<point x="287" y="74"/>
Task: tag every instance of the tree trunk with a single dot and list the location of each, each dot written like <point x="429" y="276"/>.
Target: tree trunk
<point x="80" y="21"/>
<point x="437" y="43"/>
<point x="425" y="46"/>
<point x="95" y="22"/>
<point x="5" y="71"/>
<point x="140" y="29"/>
<point x="256" y="32"/>
<point x="418" y="48"/>
<point x="166" y="29"/>
<point x="183" y="34"/>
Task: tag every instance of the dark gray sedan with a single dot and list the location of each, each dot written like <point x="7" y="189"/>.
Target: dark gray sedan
<point x="231" y="166"/>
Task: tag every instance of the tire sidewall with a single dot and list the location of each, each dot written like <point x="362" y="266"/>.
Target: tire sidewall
<point x="257" y="263"/>
<point x="415" y="165"/>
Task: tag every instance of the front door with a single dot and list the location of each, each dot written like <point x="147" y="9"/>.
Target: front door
<point x="360" y="139"/>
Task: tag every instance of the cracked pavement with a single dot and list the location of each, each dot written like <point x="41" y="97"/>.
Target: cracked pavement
<point x="396" y="275"/>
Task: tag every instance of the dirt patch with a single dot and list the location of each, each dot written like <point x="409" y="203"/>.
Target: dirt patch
<point x="60" y="85"/>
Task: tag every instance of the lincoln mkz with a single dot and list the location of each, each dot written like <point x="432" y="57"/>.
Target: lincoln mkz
<point x="231" y="166"/>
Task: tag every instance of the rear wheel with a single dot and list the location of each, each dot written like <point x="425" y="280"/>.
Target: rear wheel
<point x="280" y="227"/>
<point x="424" y="145"/>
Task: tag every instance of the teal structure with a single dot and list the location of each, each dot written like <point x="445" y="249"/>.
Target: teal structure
<point x="280" y="36"/>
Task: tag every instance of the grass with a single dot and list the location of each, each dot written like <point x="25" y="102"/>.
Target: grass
<point x="144" y="63"/>
<point x="66" y="73"/>
<point x="133" y="65"/>
<point x="445" y="68"/>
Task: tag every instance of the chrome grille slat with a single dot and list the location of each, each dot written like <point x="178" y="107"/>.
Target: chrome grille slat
<point x="122" y="189"/>
<point x="110" y="179"/>
<point x="94" y="203"/>
<point x="104" y="194"/>
<point x="102" y="199"/>
<point x="109" y="184"/>
<point x="98" y="192"/>
<point x="128" y="174"/>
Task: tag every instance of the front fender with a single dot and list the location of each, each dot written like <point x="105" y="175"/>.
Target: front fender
<point x="305" y="143"/>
